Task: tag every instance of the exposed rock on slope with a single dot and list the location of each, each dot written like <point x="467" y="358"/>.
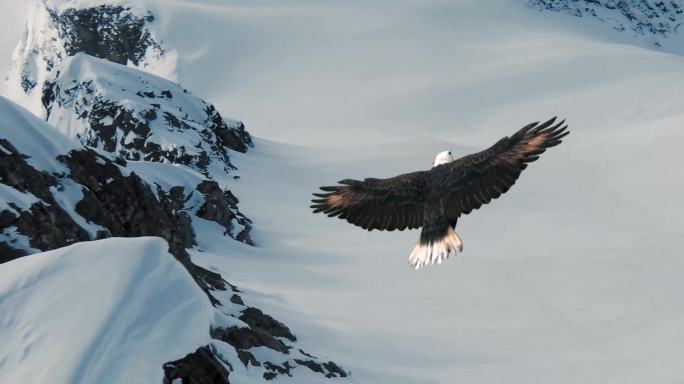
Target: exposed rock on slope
<point x="139" y="116"/>
<point x="84" y="194"/>
<point x="56" y="29"/>
<point x="55" y="192"/>
<point x="655" y="18"/>
<point x="109" y="167"/>
<point x="106" y="104"/>
<point x="112" y="32"/>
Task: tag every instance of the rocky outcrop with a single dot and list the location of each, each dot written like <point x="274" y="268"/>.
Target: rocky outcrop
<point x="220" y="206"/>
<point x="74" y="67"/>
<point x="652" y="18"/>
<point x="106" y="167"/>
<point x="86" y="194"/>
<point x="112" y="32"/>
<point x="199" y="367"/>
<point x="139" y="116"/>
<point x="57" y="29"/>
<point x="252" y="329"/>
<point x="55" y="192"/>
<point x="46" y="224"/>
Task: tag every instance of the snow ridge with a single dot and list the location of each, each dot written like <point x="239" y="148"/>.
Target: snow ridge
<point x="139" y="116"/>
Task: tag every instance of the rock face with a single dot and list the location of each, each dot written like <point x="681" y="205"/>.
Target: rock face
<point x="139" y="116"/>
<point x="111" y="32"/>
<point x="201" y="366"/>
<point x="88" y="70"/>
<point x="99" y="197"/>
<point x="94" y="195"/>
<point x="106" y="165"/>
<point x="251" y="332"/>
<point x="654" y="18"/>
<point x="57" y="29"/>
<point x="55" y="192"/>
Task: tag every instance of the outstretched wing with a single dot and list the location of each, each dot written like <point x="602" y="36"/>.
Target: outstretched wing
<point x="384" y="204"/>
<point x="471" y="181"/>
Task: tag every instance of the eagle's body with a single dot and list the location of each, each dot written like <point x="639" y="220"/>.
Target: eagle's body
<point x="436" y="198"/>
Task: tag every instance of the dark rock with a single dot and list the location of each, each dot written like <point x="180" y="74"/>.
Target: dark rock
<point x="235" y="299"/>
<point x="110" y="32"/>
<point x="8" y="253"/>
<point x="330" y="369"/>
<point x="654" y="18"/>
<point x="245" y="338"/>
<point x="45" y="223"/>
<point x="334" y="370"/>
<point x="199" y="367"/>
<point x="247" y="358"/>
<point x="261" y="321"/>
<point x="312" y="365"/>
<point x="221" y="207"/>
<point x="137" y="124"/>
<point x="275" y="370"/>
<point x="49" y="227"/>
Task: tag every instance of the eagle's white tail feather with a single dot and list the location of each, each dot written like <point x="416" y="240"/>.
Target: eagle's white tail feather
<point x="436" y="252"/>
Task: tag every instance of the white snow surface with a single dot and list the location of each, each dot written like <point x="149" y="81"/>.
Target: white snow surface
<point x="31" y="136"/>
<point x="574" y="276"/>
<point x="124" y="305"/>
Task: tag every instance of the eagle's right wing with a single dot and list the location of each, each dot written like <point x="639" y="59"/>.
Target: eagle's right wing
<point x="471" y="181"/>
<point x="383" y="204"/>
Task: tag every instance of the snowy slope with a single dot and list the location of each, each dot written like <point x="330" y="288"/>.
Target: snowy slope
<point x="571" y="277"/>
<point x="651" y="21"/>
<point x="120" y="310"/>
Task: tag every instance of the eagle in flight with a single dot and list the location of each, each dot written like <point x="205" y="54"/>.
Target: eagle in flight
<point x="436" y="198"/>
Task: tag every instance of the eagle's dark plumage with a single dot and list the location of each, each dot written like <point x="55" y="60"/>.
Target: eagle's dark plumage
<point x="436" y="198"/>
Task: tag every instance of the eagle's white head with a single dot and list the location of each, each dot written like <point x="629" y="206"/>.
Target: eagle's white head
<point x="443" y="158"/>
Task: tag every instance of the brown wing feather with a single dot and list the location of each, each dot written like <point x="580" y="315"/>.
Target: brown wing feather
<point x="474" y="180"/>
<point x="383" y="204"/>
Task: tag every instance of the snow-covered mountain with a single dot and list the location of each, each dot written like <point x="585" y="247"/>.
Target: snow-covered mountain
<point x="59" y="192"/>
<point x="124" y="153"/>
<point x="71" y="68"/>
<point x="55" y="192"/>
<point x="654" y="20"/>
<point x="139" y="116"/>
<point x="56" y="29"/>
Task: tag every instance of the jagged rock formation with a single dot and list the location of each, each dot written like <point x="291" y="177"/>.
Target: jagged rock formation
<point x="96" y="196"/>
<point x="112" y="32"/>
<point x="57" y="29"/>
<point x="200" y="366"/>
<point x="55" y="192"/>
<point x="139" y="116"/>
<point x="103" y="168"/>
<point x="106" y="104"/>
<point x="654" y="18"/>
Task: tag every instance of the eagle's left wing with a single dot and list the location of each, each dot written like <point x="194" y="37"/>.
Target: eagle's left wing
<point x="383" y="204"/>
<point x="471" y="181"/>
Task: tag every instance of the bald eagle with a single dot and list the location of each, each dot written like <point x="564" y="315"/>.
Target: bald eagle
<point x="436" y="198"/>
